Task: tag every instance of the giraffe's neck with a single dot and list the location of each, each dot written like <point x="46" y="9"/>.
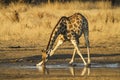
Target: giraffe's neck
<point x="55" y="33"/>
<point x="52" y="40"/>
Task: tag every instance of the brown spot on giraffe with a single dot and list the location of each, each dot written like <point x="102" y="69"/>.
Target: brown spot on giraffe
<point x="73" y="20"/>
<point x="70" y="26"/>
<point x="75" y="25"/>
<point x="78" y="22"/>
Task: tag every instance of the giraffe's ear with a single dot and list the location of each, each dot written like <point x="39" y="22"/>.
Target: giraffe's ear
<point x="43" y="50"/>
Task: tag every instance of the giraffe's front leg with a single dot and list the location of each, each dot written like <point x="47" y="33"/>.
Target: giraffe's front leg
<point x="58" y="44"/>
<point x="73" y="57"/>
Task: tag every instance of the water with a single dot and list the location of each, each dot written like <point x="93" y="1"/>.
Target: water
<point x="60" y="66"/>
<point x="109" y="71"/>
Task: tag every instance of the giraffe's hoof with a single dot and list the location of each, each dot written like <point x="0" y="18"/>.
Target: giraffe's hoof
<point x="72" y="64"/>
<point x="39" y="64"/>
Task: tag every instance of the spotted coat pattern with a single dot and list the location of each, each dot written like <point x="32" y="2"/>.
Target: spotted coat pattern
<point x="68" y="28"/>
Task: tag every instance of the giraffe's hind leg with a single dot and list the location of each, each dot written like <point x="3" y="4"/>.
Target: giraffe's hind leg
<point x="74" y="42"/>
<point x="73" y="57"/>
<point x="86" y="36"/>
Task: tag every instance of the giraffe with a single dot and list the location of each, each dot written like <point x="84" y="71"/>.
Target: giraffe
<point x="68" y="29"/>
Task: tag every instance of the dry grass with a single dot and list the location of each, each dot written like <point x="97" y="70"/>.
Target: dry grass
<point x="27" y="25"/>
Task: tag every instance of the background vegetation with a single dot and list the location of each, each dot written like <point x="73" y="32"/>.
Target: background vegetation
<point x="28" y="23"/>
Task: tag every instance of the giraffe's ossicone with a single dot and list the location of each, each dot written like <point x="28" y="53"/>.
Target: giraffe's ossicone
<point x="68" y="29"/>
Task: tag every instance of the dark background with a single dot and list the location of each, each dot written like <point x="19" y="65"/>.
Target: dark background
<point x="36" y="2"/>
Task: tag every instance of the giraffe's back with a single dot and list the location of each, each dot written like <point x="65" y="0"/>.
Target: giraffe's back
<point x="68" y="28"/>
<point x="77" y="22"/>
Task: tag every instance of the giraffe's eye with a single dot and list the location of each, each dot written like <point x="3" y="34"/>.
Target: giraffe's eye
<point x="61" y="24"/>
<point x="65" y="23"/>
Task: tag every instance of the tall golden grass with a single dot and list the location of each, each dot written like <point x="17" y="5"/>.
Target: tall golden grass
<point x="27" y="25"/>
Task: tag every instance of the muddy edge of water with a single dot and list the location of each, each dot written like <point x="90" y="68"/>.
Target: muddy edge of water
<point x="33" y="55"/>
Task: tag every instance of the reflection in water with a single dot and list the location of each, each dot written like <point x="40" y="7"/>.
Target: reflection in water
<point x="96" y="69"/>
<point x="71" y="70"/>
<point x="43" y="69"/>
<point x="60" y="71"/>
<point x="85" y="70"/>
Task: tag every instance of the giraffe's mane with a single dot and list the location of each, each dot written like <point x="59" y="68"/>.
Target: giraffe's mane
<point x="63" y="17"/>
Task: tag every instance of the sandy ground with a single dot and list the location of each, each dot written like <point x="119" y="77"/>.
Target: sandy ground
<point x="23" y="54"/>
